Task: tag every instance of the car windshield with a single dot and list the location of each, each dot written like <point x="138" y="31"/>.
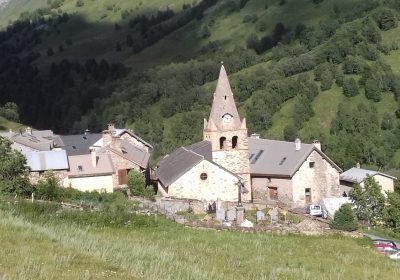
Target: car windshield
<point x="315" y="207"/>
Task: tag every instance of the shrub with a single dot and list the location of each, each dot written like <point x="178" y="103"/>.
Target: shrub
<point x="345" y="219"/>
<point x="137" y="185"/>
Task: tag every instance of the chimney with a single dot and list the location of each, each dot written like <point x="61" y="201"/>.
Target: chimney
<point x="93" y="157"/>
<point x="28" y="130"/>
<point x="317" y="144"/>
<point x="358" y="165"/>
<point x="297" y="142"/>
<point x="255" y="136"/>
<point x="111" y="129"/>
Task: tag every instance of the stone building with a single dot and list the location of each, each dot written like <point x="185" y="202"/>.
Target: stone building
<point x="127" y="152"/>
<point x="291" y="172"/>
<point x="228" y="165"/>
<point x="190" y="173"/>
<point x="357" y="175"/>
<point x="228" y="134"/>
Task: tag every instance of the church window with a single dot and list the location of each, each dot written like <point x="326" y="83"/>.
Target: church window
<point x="234" y="142"/>
<point x="311" y="164"/>
<point x="222" y="142"/>
<point x="203" y="176"/>
<point x="225" y="97"/>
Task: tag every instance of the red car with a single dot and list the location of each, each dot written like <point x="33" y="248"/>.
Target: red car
<point x="384" y="246"/>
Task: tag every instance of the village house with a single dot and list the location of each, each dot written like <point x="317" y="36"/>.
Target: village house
<point x="357" y="175"/>
<point x="291" y="172"/>
<point x="230" y="166"/>
<point x="90" y="172"/>
<point x="71" y="157"/>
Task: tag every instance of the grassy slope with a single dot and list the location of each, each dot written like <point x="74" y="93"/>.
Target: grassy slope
<point x="7" y="125"/>
<point x="36" y="250"/>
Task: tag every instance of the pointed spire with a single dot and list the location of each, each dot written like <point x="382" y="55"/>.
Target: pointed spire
<point x="224" y="114"/>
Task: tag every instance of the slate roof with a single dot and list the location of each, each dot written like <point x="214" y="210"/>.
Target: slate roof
<point x="173" y="166"/>
<point x="176" y="164"/>
<point x="81" y="166"/>
<point x="46" y="160"/>
<point x="119" y="132"/>
<point x="40" y="140"/>
<point x="279" y="158"/>
<point x="130" y="152"/>
<point x="224" y="103"/>
<point x="79" y="144"/>
<point x="202" y="148"/>
<point x="358" y="175"/>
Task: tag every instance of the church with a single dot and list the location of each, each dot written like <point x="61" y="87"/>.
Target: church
<point x="230" y="165"/>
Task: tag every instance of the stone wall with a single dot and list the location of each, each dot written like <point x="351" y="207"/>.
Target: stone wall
<point x="219" y="185"/>
<point x="322" y="179"/>
<point x="36" y="176"/>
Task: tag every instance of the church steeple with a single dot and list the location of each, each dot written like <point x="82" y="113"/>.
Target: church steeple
<point x="224" y="115"/>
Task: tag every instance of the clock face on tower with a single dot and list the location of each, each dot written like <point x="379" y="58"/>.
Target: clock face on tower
<point x="227" y="118"/>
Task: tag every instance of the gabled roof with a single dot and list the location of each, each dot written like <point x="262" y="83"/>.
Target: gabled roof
<point x="173" y="166"/>
<point x="279" y="158"/>
<point x="46" y="160"/>
<point x="358" y="175"/>
<point x="202" y="148"/>
<point x="176" y="164"/>
<point x="119" y="132"/>
<point x="130" y="152"/>
<point x="82" y="166"/>
<point x="223" y="105"/>
<point x="40" y="140"/>
<point x="79" y="144"/>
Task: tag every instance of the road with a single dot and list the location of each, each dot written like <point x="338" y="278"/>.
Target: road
<point x="378" y="237"/>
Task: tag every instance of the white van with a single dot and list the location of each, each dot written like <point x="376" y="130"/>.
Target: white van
<point x="315" y="210"/>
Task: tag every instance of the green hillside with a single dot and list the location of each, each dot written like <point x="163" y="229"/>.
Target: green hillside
<point x="299" y="68"/>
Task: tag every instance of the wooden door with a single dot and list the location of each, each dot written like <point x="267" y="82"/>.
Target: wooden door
<point x="122" y="177"/>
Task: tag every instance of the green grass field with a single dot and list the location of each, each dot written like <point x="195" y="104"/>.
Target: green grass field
<point x="47" y="248"/>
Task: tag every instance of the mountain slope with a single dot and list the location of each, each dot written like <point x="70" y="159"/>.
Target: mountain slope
<point x="151" y="65"/>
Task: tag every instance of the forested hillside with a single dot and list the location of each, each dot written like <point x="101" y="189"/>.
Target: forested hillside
<point x="325" y="69"/>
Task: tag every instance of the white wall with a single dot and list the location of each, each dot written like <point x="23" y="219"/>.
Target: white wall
<point x="99" y="183"/>
<point x="220" y="184"/>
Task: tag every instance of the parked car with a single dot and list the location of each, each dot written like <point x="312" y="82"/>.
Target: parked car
<point x="315" y="210"/>
<point x="385" y="250"/>
<point x="395" y="255"/>
<point x="384" y="243"/>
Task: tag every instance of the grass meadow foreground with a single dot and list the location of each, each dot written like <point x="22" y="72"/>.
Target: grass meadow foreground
<point x="41" y="243"/>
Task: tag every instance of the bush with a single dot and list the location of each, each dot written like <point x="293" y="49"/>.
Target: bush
<point x="350" y="87"/>
<point x="345" y="219"/>
<point x="137" y="185"/>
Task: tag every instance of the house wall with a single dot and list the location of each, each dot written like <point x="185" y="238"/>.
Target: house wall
<point x="219" y="185"/>
<point x="260" y="188"/>
<point x="386" y="183"/>
<point x="323" y="179"/>
<point x="35" y="176"/>
<point x="98" y="183"/>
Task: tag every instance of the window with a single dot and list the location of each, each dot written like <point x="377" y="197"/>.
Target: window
<point x="234" y="142"/>
<point x="273" y="193"/>
<point x="80" y="168"/>
<point x="203" y="176"/>
<point x="307" y="193"/>
<point x="74" y="147"/>
<point x="311" y="164"/>
<point x="222" y="141"/>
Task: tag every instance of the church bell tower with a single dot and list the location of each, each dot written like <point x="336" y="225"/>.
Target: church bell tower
<point x="228" y="134"/>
